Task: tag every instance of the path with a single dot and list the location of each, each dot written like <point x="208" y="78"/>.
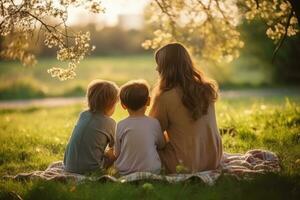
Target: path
<point x="227" y="94"/>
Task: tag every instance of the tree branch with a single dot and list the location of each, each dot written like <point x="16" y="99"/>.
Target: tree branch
<point x="47" y="27"/>
<point x="283" y="37"/>
<point x="202" y="4"/>
<point x="18" y="10"/>
<point x="13" y="3"/>
<point x="165" y="10"/>
<point x="257" y="4"/>
<point x="2" y="8"/>
<point x="209" y="4"/>
<point x="222" y="12"/>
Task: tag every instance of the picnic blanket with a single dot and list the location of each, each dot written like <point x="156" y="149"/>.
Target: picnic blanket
<point x="239" y="165"/>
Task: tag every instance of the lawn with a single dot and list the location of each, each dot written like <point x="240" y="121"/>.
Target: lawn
<point x="31" y="138"/>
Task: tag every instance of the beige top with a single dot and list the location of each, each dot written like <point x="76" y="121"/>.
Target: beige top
<point x="195" y="144"/>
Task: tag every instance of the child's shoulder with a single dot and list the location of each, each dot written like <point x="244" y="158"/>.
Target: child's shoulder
<point x="107" y="119"/>
<point x="123" y="121"/>
<point x="145" y="119"/>
<point x="84" y="114"/>
<point x="152" y="120"/>
<point x="97" y="116"/>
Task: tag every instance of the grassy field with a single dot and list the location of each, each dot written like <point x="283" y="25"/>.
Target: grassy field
<point x="18" y="82"/>
<point x="32" y="138"/>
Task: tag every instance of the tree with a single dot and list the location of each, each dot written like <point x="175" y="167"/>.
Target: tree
<point x="23" y="21"/>
<point x="209" y="28"/>
<point x="259" y="50"/>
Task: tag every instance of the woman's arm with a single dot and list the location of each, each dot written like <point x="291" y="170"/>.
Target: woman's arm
<point x="159" y="111"/>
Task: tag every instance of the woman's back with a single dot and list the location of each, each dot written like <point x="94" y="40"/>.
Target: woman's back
<point x="196" y="144"/>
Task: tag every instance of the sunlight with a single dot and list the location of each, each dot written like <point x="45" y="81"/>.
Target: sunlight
<point x="151" y="99"/>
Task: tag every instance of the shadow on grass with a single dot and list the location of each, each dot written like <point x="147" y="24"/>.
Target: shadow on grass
<point x="269" y="186"/>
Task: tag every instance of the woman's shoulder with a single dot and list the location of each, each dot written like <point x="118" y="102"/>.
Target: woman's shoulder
<point x="169" y="94"/>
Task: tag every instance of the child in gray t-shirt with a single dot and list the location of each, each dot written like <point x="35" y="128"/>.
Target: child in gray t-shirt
<point x="138" y="136"/>
<point x="93" y="131"/>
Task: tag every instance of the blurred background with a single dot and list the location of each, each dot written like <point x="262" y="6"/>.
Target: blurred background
<point x="259" y="106"/>
<point x="118" y="34"/>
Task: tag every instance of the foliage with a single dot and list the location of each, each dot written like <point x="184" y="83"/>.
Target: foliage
<point x="277" y="22"/>
<point x="210" y="28"/>
<point x="31" y="138"/>
<point x="21" y="21"/>
<point x="285" y="68"/>
<point x="22" y="89"/>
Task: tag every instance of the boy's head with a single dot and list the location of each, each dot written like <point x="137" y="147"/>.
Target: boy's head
<point x="135" y="95"/>
<point x="102" y="96"/>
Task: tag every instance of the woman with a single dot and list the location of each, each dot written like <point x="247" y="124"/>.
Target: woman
<point x="184" y="106"/>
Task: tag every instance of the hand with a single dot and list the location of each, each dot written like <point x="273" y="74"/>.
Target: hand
<point x="166" y="136"/>
<point x="109" y="153"/>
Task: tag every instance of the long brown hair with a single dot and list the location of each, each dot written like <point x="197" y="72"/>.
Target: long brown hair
<point x="176" y="68"/>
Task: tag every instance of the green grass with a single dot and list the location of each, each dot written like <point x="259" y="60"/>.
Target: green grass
<point x="32" y="138"/>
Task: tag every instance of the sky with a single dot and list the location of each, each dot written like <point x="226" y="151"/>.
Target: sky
<point x="113" y="8"/>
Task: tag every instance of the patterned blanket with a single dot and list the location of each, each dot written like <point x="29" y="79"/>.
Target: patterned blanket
<point x="240" y="165"/>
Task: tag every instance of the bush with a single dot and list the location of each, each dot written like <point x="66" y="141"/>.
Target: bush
<point x="21" y="90"/>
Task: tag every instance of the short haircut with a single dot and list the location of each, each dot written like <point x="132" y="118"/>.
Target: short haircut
<point x="101" y="95"/>
<point x="134" y="94"/>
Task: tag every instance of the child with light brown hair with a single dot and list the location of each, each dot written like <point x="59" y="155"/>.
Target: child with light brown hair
<point x="94" y="130"/>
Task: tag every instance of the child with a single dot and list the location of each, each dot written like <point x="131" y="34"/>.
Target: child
<point x="137" y="136"/>
<point x="94" y="129"/>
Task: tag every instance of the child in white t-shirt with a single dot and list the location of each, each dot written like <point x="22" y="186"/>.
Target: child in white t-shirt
<point x="138" y="136"/>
